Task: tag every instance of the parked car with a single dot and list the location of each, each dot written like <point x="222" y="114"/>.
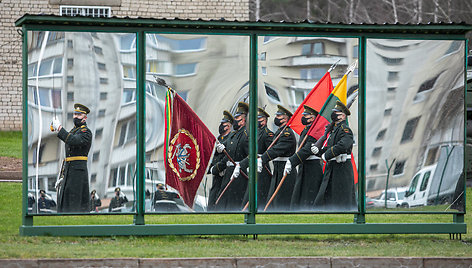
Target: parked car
<point x="417" y="194"/>
<point x="394" y="196"/>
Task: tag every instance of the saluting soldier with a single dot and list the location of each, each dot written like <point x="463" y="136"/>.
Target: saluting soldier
<point x="224" y="130"/>
<point x="310" y="172"/>
<point x="237" y="147"/>
<point x="118" y="202"/>
<point x="73" y="188"/>
<point x="284" y="147"/>
<point x="264" y="138"/>
<point x="337" y="187"/>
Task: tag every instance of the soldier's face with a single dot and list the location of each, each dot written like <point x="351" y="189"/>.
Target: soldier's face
<point x="262" y="122"/>
<point x="80" y="116"/>
<point x="341" y="116"/>
<point x="241" y="119"/>
<point x="309" y="118"/>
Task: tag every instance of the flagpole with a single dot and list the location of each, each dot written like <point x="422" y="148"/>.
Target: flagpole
<point x="349" y="69"/>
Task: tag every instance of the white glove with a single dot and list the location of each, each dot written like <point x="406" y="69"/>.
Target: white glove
<point x="343" y="157"/>
<point x="339" y="158"/>
<point x="259" y="164"/>
<point x="236" y="171"/>
<point x="220" y="147"/>
<point x="55" y="124"/>
<point x="222" y="173"/>
<point x="323" y="157"/>
<point x="314" y="149"/>
<point x="288" y="167"/>
<point x="58" y="182"/>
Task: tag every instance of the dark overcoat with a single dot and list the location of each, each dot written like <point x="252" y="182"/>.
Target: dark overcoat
<point x="309" y="174"/>
<point x="217" y="179"/>
<point x="337" y="190"/>
<point x="73" y="195"/>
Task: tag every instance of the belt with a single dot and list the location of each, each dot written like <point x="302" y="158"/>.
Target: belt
<point x="75" y="158"/>
<point x="313" y="157"/>
<point x="341" y="158"/>
<point x="281" y="158"/>
<point x="230" y="164"/>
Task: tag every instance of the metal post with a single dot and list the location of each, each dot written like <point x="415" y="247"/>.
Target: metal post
<point x="140" y="113"/>
<point x="26" y="220"/>
<point x="388" y="176"/>
<point x="360" y="218"/>
<point x="251" y="217"/>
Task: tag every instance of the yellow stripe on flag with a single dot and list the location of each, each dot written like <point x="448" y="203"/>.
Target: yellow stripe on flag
<point x="340" y="91"/>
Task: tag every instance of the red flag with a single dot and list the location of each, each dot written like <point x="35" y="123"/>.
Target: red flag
<point x="190" y="148"/>
<point x="315" y="99"/>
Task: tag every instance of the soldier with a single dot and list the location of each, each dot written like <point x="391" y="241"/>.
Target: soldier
<point x="337" y="187"/>
<point x="45" y="203"/>
<point x="118" y="201"/>
<point x="237" y="147"/>
<point x="310" y="172"/>
<point x="284" y="147"/>
<point x="264" y="138"/>
<point x="224" y="130"/>
<point x="73" y="188"/>
<point x="95" y="201"/>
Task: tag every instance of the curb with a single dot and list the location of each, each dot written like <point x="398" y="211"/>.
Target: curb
<point x="11" y="175"/>
<point x="321" y="262"/>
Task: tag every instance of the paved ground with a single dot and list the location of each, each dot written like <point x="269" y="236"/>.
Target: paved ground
<point x="10" y="169"/>
<point x="332" y="262"/>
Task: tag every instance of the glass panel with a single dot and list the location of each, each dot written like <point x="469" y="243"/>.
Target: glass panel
<point x="210" y="74"/>
<point x="53" y="91"/>
<point x="415" y="124"/>
<point x="294" y="66"/>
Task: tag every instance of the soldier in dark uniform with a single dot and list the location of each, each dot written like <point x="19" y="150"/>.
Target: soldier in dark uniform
<point x="73" y="188"/>
<point x="118" y="201"/>
<point x="45" y="203"/>
<point x="310" y="172"/>
<point x="264" y="138"/>
<point x="95" y="201"/>
<point x="284" y="147"/>
<point x="237" y="146"/>
<point x="337" y="187"/>
<point x="224" y="130"/>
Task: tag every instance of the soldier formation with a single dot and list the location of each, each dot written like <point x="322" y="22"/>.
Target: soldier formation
<point x="280" y="186"/>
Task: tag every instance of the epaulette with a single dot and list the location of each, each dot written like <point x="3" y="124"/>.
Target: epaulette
<point x="245" y="132"/>
<point x="271" y="134"/>
<point x="286" y="133"/>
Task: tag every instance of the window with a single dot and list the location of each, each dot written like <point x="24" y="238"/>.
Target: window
<point x="128" y="42"/>
<point x="399" y="168"/>
<point x="185" y="69"/>
<point x="376" y="151"/>
<point x="392" y="61"/>
<point x="91" y="11"/>
<point x="127" y="132"/>
<point x="425" y="181"/>
<point x="129" y="71"/>
<point x="129" y="95"/>
<point x="98" y="132"/>
<point x="103" y="80"/>
<point x="373" y="167"/>
<point x="391" y="89"/>
<point x="101" y="66"/>
<point x="70" y="79"/>
<point x="48" y="67"/>
<point x="96" y="156"/>
<point x="410" y="128"/>
<point x="32" y="70"/>
<point x="103" y="95"/>
<point x="131" y="131"/>
<point x="70" y="96"/>
<point x="392" y="76"/>
<point x="381" y="134"/>
<point x="413" y="184"/>
<point x="388" y="112"/>
<point x="98" y="50"/>
<point x="427" y="85"/>
<point x="312" y="73"/>
<point x="431" y="157"/>
<point x="355" y="52"/>
<point x="48" y="97"/>
<point x="262" y="56"/>
<point x="70" y="63"/>
<point x="272" y="93"/>
<point x="101" y="113"/>
<point x="70" y="44"/>
<point x="313" y="49"/>
<point x="264" y="70"/>
<point x="113" y="177"/>
<point x="93" y="178"/>
<point x="268" y="38"/>
<point x="177" y="45"/>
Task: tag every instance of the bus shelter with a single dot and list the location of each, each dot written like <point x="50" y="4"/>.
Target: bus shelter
<point x="404" y="84"/>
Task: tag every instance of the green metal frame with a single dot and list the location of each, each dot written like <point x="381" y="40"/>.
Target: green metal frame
<point x="253" y="30"/>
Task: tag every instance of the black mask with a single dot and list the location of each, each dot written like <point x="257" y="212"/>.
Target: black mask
<point x="277" y="122"/>
<point x="259" y="124"/>
<point x="236" y="124"/>
<point x="221" y="129"/>
<point x="334" y="116"/>
<point x="78" y="122"/>
<point x="305" y="121"/>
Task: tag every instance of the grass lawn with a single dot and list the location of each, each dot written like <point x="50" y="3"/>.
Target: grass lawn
<point x="14" y="246"/>
<point x="10" y="143"/>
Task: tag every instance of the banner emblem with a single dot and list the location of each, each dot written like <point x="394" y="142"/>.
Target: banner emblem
<point x="184" y="155"/>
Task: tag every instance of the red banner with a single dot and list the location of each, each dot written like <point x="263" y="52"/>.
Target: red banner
<point x="190" y="148"/>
